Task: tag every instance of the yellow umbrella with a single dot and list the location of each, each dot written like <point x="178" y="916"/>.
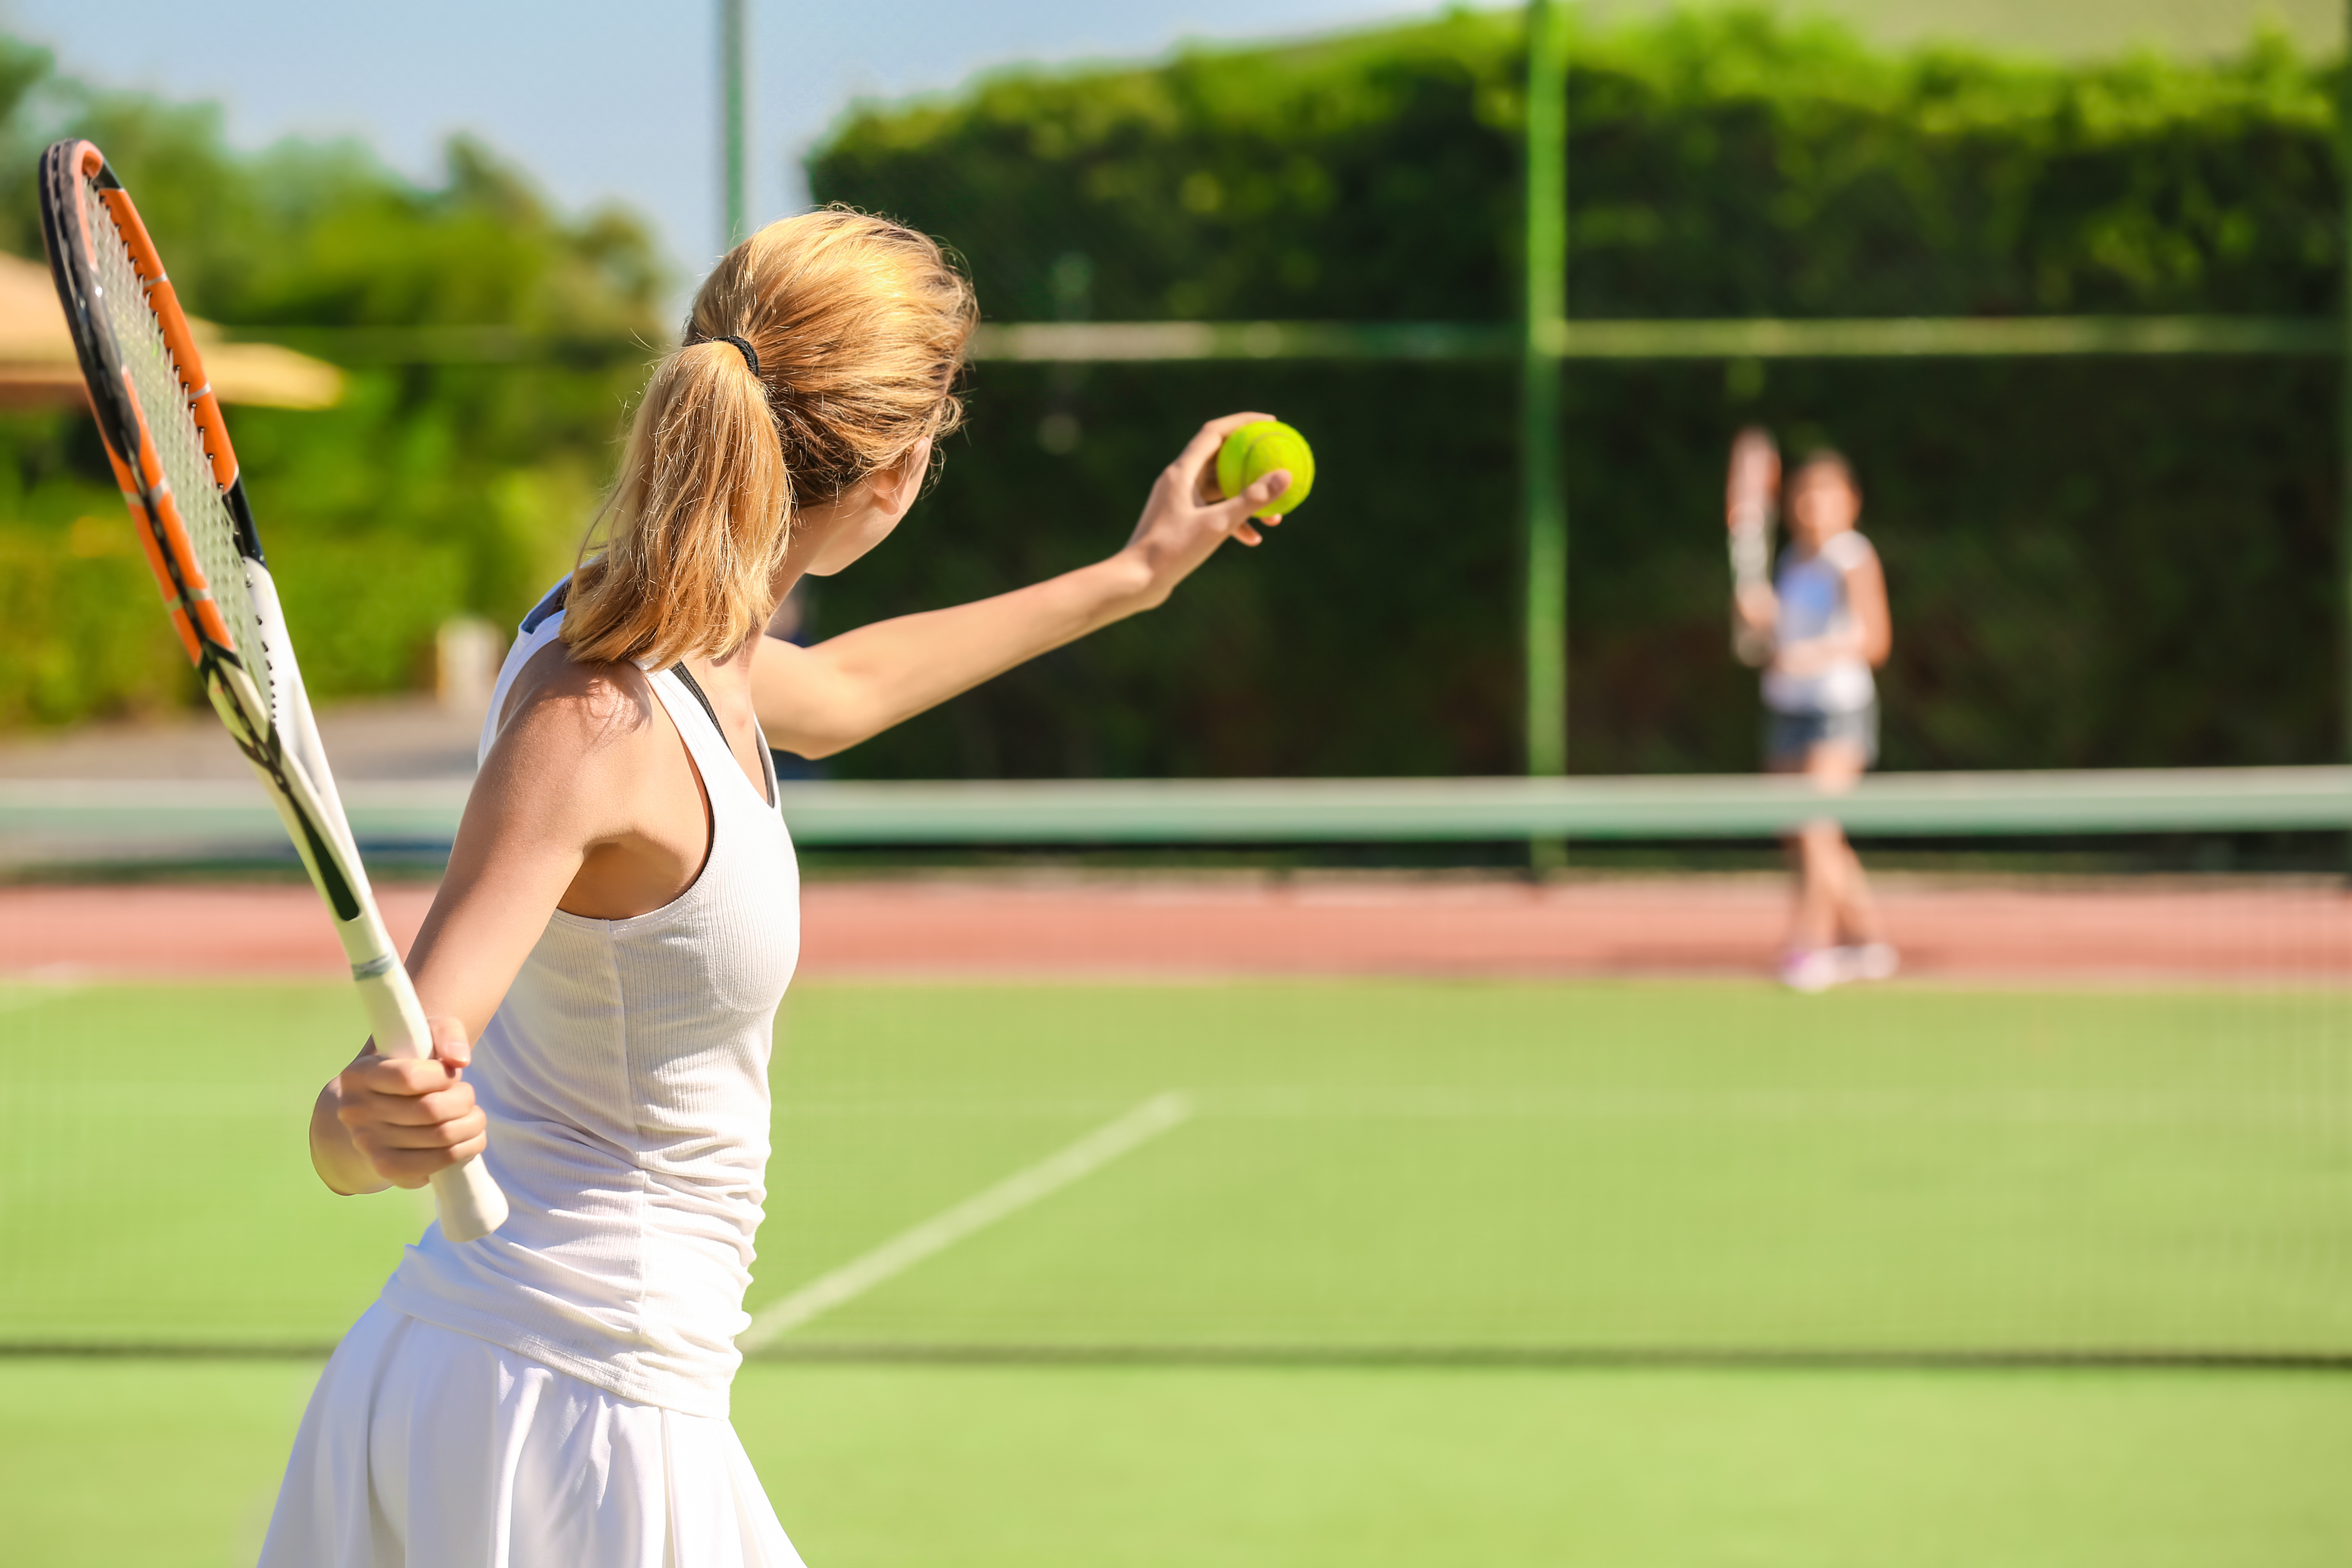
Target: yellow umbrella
<point x="38" y="365"/>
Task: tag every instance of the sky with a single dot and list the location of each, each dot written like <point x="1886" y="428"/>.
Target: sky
<point x="607" y="99"/>
<point x="616" y="99"/>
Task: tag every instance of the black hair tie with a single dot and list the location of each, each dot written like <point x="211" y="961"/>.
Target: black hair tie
<point x="751" y="356"/>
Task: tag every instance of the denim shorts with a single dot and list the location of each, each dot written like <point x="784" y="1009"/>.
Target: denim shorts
<point x="1789" y="738"/>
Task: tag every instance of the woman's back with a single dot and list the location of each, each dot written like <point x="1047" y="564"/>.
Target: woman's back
<point x="626" y="1074"/>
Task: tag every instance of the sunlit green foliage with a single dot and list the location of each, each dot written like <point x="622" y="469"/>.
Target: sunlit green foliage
<point x="433" y="489"/>
<point x="1722" y="163"/>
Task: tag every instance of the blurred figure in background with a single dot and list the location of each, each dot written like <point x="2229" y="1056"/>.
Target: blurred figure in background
<point x="1818" y="628"/>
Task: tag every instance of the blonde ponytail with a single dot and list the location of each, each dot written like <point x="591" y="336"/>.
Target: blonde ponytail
<point x="853" y="330"/>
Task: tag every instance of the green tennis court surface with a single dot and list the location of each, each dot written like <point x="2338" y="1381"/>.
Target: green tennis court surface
<point x="163" y="1464"/>
<point x="1362" y="1172"/>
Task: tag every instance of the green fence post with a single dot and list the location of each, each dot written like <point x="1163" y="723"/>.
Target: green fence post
<point x="1545" y="503"/>
<point x="734" y="65"/>
<point x="1545" y="507"/>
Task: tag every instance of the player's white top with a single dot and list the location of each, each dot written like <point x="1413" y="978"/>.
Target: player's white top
<point x="626" y="1078"/>
<point x="1811" y="590"/>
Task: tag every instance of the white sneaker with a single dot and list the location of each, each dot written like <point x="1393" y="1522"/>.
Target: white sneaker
<point x="1812" y="969"/>
<point x="1869" y="960"/>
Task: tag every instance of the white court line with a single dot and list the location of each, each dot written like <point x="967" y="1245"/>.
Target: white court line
<point x="943" y="1230"/>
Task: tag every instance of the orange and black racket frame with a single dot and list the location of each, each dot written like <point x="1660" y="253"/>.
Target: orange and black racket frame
<point x="71" y="172"/>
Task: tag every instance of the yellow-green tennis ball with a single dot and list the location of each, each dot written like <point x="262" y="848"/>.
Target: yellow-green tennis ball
<point x="1256" y="450"/>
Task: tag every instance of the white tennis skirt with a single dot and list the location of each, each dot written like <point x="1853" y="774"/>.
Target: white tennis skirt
<point x="424" y="1448"/>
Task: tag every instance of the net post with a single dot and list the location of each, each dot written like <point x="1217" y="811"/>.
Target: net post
<point x="1544" y="506"/>
<point x="2343" y="414"/>
<point x="734" y="99"/>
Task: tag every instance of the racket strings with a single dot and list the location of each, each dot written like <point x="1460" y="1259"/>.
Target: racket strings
<point x="163" y="393"/>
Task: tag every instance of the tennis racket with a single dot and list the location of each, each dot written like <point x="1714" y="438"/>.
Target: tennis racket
<point x="1751" y="506"/>
<point x="171" y="453"/>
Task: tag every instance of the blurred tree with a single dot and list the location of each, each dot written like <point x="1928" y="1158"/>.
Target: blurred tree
<point x="433" y="489"/>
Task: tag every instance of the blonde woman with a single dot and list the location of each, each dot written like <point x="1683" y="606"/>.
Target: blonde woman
<point x="619" y="919"/>
<point x="1819" y="628"/>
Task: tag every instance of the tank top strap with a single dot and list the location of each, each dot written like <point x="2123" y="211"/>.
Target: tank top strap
<point x="538" y="628"/>
<point x="688" y="709"/>
<point x="722" y="775"/>
<point x="767" y="786"/>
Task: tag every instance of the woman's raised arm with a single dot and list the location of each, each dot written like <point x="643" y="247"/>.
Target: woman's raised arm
<point x="818" y="700"/>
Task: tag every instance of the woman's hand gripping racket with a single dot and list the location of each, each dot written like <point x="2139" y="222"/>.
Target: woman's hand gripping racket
<point x="171" y="452"/>
<point x="1751" y="493"/>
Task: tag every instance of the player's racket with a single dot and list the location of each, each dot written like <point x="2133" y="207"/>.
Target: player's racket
<point x="1751" y="506"/>
<point x="170" y="448"/>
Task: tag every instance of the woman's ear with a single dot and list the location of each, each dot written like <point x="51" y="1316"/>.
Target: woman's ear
<point x="897" y="489"/>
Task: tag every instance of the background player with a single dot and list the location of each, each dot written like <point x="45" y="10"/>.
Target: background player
<point x="1821" y="625"/>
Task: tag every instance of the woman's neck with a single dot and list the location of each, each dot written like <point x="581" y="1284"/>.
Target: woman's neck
<point x="729" y="672"/>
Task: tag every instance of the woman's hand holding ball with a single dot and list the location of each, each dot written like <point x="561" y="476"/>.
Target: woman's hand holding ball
<point x="1205" y="497"/>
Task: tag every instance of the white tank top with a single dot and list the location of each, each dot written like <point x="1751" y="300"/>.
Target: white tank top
<point x="625" y="1075"/>
<point x="1812" y="591"/>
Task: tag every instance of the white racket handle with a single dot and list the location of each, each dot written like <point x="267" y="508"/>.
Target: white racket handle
<point x="471" y="1203"/>
<point x="303" y="790"/>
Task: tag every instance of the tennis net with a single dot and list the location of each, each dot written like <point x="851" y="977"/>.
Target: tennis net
<point x="2105" y="1115"/>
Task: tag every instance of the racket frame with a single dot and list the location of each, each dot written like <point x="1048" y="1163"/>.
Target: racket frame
<point x="267" y="712"/>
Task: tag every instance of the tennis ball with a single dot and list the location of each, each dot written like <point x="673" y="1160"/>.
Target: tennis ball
<point x="1257" y="450"/>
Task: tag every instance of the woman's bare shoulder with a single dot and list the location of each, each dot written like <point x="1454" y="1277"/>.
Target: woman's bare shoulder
<point x="583" y="718"/>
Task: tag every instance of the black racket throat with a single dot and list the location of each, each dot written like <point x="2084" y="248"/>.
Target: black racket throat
<point x="248" y="538"/>
<point x="265" y="747"/>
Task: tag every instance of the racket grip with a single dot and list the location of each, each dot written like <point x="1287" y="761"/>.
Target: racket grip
<point x="471" y="1203"/>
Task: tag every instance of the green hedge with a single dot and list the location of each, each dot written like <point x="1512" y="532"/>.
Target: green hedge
<point x="2094" y="563"/>
<point x="78" y="624"/>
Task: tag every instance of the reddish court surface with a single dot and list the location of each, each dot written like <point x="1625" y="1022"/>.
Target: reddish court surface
<point x="2186" y="930"/>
